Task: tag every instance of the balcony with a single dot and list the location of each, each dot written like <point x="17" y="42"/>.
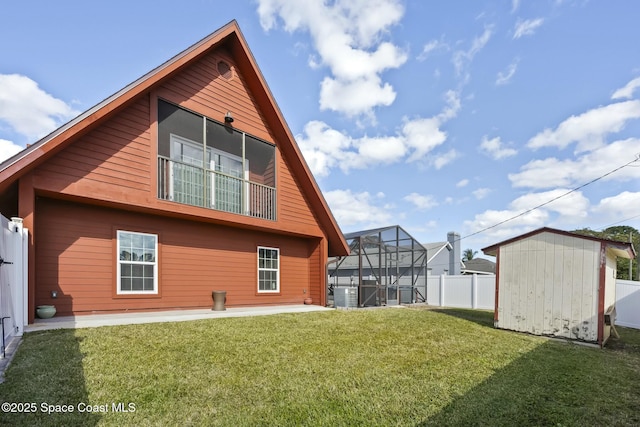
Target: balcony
<point x="192" y="185"/>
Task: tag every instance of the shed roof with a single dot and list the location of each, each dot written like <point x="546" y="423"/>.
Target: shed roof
<point x="621" y="249"/>
<point x="231" y="37"/>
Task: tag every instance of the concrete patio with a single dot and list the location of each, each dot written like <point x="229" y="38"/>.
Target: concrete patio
<point x="97" y="320"/>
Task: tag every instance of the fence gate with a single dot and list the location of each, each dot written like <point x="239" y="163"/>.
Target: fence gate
<point x="13" y="279"/>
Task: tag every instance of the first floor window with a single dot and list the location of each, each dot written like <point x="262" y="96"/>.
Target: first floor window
<point x="268" y="269"/>
<point x="137" y="263"/>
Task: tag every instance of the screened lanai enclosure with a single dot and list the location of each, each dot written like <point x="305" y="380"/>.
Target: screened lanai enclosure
<point x="386" y="266"/>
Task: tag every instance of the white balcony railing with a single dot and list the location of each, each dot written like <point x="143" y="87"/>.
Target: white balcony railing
<point x="192" y="185"/>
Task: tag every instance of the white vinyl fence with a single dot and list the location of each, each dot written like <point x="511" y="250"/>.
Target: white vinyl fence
<point x="474" y="291"/>
<point x="13" y="279"/>
<point x="628" y="303"/>
<point x="479" y="292"/>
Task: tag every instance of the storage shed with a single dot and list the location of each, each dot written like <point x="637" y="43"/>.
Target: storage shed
<point x="557" y="283"/>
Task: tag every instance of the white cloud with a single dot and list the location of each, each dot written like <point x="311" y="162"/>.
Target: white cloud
<point x="461" y="58"/>
<point x="352" y="209"/>
<point x="325" y="148"/>
<point x="495" y="149"/>
<point x="354" y="97"/>
<point x="619" y="207"/>
<point x="347" y="37"/>
<point x="552" y="172"/>
<point x="431" y="46"/>
<point x="515" y="4"/>
<point x="28" y="109"/>
<point x="423" y="135"/>
<point x="422" y="202"/>
<point x="589" y="129"/>
<point x="514" y="227"/>
<point x="626" y="92"/>
<point x="462" y="183"/>
<point x="504" y="78"/>
<point x="322" y="147"/>
<point x="513" y="221"/>
<point x="441" y="160"/>
<point x="481" y="193"/>
<point x="572" y="207"/>
<point x="527" y="27"/>
<point x="380" y="150"/>
<point x="452" y="107"/>
<point x="8" y="149"/>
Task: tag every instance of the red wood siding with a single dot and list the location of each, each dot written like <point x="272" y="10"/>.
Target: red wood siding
<point x="292" y="203"/>
<point x="117" y="161"/>
<point x="75" y="255"/>
<point x="112" y="162"/>
<point x="317" y="275"/>
<point x="202" y="89"/>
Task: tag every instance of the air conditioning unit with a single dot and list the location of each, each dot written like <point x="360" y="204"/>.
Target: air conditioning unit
<point x="345" y="297"/>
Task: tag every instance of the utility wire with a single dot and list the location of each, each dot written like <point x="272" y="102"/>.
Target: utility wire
<point x="618" y="222"/>
<point x="552" y="200"/>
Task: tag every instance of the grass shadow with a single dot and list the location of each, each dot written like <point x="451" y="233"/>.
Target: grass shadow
<point x="480" y="317"/>
<point x="629" y="340"/>
<point x="45" y="383"/>
<point x="551" y="384"/>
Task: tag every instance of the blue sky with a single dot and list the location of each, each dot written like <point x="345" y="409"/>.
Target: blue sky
<point x="437" y="116"/>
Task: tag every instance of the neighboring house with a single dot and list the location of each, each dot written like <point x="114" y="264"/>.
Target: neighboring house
<point x="478" y="266"/>
<point x="186" y="181"/>
<point x="552" y="282"/>
<point x="444" y="257"/>
<point x="438" y="257"/>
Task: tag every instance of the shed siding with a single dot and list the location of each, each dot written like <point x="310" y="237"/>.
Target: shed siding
<point x="610" y="281"/>
<point x="76" y="256"/>
<point x="549" y="286"/>
<point x="609" y="292"/>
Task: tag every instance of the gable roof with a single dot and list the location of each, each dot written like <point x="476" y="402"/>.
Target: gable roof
<point x="479" y="265"/>
<point x="231" y="37"/>
<point x="437" y="247"/>
<point x="621" y="249"/>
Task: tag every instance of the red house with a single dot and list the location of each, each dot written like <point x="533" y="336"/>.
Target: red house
<point x="186" y="181"/>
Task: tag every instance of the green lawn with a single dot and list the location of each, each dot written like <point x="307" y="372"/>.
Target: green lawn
<point x="356" y="367"/>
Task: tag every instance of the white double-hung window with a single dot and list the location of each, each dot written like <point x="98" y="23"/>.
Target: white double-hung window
<point x="268" y="269"/>
<point x="137" y="263"/>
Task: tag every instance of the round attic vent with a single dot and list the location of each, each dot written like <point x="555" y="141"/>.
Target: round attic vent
<point x="225" y="70"/>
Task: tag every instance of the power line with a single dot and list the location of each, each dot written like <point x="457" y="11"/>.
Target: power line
<point x="552" y="200"/>
<point x="618" y="222"/>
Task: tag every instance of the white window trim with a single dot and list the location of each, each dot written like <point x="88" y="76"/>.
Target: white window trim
<point x="277" y="270"/>
<point x="119" y="262"/>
